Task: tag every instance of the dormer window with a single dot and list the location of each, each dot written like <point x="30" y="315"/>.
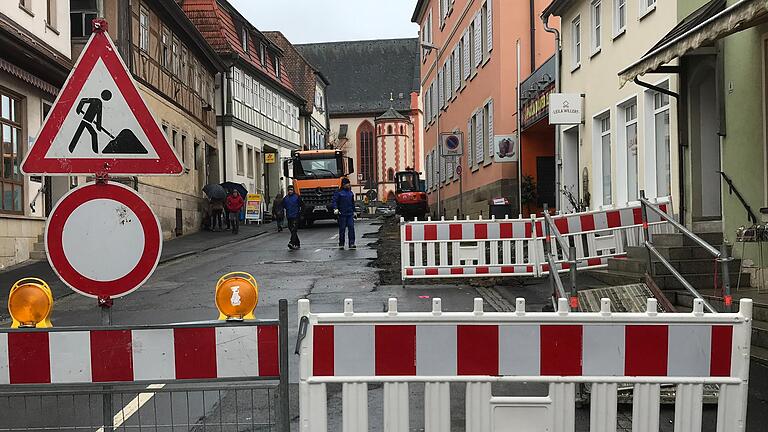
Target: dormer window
<point x="262" y="54"/>
<point x="277" y="67"/>
<point x="244" y="39"/>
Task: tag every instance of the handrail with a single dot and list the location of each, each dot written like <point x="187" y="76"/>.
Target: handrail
<point x="709" y="248"/>
<point x="732" y="188"/>
<point x="679" y="277"/>
<point x="721" y="256"/>
<point x="570" y="255"/>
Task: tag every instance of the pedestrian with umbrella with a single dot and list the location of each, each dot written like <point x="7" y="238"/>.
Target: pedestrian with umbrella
<point x="216" y="196"/>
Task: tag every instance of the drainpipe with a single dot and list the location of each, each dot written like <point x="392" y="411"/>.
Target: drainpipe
<point x="223" y="128"/>
<point x="558" y="141"/>
<point x="532" y="20"/>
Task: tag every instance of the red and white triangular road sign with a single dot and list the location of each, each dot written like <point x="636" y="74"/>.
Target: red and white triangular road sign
<point x="100" y="124"/>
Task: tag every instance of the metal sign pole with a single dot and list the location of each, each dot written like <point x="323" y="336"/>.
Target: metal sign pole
<point x="106" y="398"/>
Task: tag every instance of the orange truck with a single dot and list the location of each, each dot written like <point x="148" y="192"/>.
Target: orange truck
<point x="316" y="175"/>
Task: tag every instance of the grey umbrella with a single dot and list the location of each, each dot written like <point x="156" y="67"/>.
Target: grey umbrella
<point x="215" y="192"/>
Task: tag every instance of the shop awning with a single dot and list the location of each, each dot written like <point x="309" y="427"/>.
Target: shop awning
<point x="709" y="23"/>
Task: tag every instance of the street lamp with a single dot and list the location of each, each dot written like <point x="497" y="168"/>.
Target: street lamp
<point x="430" y="47"/>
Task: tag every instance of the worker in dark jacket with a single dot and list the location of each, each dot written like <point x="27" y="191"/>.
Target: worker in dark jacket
<point x="292" y="205"/>
<point x="344" y="208"/>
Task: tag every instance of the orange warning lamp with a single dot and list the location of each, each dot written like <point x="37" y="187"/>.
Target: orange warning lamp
<point x="30" y="303"/>
<point x="237" y="295"/>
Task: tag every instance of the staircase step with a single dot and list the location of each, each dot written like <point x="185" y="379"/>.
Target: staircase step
<point x="628" y="265"/>
<point x="41" y="238"/>
<point x="760" y="333"/>
<point x="684" y="299"/>
<point x="39" y="246"/>
<point x="613" y="277"/>
<point x="700" y="281"/>
<point x="679" y="239"/>
<point x="673" y="253"/>
<point x="37" y="255"/>
<point x="703" y="266"/>
<point x="708" y="226"/>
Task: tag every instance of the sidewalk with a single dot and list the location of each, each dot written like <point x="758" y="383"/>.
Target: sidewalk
<point x="174" y="249"/>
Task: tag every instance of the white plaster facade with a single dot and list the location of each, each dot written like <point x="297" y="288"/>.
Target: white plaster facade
<point x="595" y="47"/>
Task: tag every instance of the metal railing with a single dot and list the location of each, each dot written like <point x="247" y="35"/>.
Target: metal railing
<point x="570" y="254"/>
<point x="732" y="189"/>
<point x="720" y="256"/>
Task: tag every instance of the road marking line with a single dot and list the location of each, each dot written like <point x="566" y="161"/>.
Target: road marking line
<point x="335" y="236"/>
<point x="132" y="407"/>
<point x="318" y="250"/>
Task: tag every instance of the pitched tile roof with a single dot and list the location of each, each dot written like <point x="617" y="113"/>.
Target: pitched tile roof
<point x="303" y="75"/>
<point x="221" y="25"/>
<point x="363" y="74"/>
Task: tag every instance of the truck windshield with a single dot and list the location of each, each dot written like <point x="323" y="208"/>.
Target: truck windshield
<point x="327" y="167"/>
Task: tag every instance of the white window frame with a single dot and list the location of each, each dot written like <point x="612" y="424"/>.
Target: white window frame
<point x="599" y="158"/>
<point x="645" y="7"/>
<point x="619" y="12"/>
<point x="652" y="124"/>
<point x="143" y="29"/>
<point x="622" y="166"/>
<point x="576" y="43"/>
<point x="595" y="26"/>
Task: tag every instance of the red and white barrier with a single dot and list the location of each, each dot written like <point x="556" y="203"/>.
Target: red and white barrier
<point x="515" y="247"/>
<point x="560" y="348"/>
<point x="156" y="354"/>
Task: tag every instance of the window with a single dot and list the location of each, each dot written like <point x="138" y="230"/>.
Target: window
<point x="50" y="13"/>
<point x="240" y="158"/>
<point x="619" y="16"/>
<point x="596" y="26"/>
<point x="477" y="39"/>
<point x="661" y="137"/>
<point x="173" y="141"/>
<point x="480" y="134"/>
<point x="183" y="63"/>
<point x="196" y="155"/>
<point x="176" y="61"/>
<point x="277" y="67"/>
<point x="144" y="30"/>
<point x="262" y="54"/>
<point x="604" y="125"/>
<point x="489" y="130"/>
<point x="390" y="175"/>
<point x="389" y="130"/>
<point x="466" y="49"/>
<point x="576" y="42"/>
<point x="367" y="155"/>
<point x="244" y="39"/>
<point x="11" y="179"/>
<point x="82" y="13"/>
<point x="165" y="42"/>
<point x="630" y="144"/>
<point x="26" y="5"/>
<point x="250" y="162"/>
<point x="646" y="7"/>
<point x="183" y="149"/>
<point x="489" y="25"/>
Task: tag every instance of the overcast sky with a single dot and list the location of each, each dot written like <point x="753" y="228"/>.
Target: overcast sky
<point x="305" y="21"/>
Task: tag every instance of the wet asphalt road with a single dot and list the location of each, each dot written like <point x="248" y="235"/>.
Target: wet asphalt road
<point x="182" y="291"/>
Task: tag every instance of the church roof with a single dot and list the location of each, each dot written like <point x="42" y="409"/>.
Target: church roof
<point x="363" y="74"/>
<point x="391" y="114"/>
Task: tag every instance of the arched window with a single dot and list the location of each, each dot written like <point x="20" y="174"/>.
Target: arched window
<point x="390" y="175"/>
<point x="366" y="152"/>
<point x="389" y="130"/>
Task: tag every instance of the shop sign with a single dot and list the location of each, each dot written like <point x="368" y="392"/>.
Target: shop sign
<point x="566" y="108"/>
<point x="506" y="148"/>
<point x="535" y="109"/>
<point x="269" y="158"/>
<point x="253" y="206"/>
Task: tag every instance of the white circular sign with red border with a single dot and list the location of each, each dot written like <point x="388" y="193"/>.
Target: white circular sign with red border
<point x="103" y="240"/>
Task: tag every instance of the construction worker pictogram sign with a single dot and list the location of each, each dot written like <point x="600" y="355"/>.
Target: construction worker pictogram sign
<point x="100" y="123"/>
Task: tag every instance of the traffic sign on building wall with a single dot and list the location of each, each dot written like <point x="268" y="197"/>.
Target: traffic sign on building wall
<point x="452" y="143"/>
<point x="100" y="123"/>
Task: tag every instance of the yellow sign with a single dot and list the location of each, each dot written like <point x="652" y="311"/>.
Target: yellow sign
<point x="253" y="207"/>
<point x="269" y="157"/>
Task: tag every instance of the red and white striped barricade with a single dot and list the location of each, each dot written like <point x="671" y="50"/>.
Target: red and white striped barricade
<point x="467" y="248"/>
<point x="210" y="351"/>
<point x="561" y="349"/>
<point x="599" y="235"/>
<point x="511" y="247"/>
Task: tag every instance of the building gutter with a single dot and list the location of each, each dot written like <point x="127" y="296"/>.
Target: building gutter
<point x="558" y="140"/>
<point x="532" y="20"/>
<point x="224" y="81"/>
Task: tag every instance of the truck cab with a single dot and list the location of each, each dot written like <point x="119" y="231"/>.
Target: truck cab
<point x="316" y="176"/>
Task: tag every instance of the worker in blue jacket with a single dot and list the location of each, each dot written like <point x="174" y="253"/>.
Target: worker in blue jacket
<point x="344" y="208"/>
<point x="293" y="205"/>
